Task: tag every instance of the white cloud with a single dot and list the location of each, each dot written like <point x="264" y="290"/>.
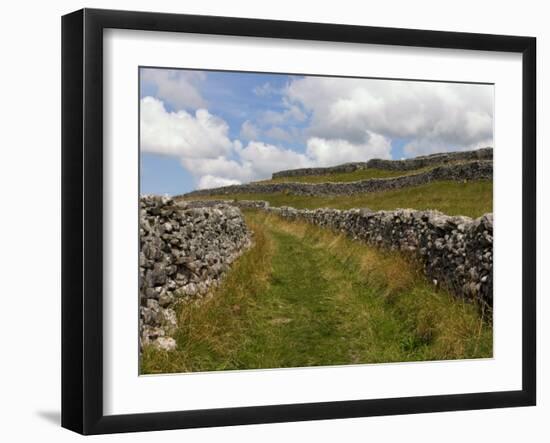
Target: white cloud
<point x="259" y="160"/>
<point x="202" y="144"/>
<point x="180" y="133"/>
<point x="255" y="161"/>
<point x="265" y="90"/>
<point x="211" y="181"/>
<point x="223" y="167"/>
<point x="329" y="152"/>
<point x="443" y="115"/>
<point x="291" y="113"/>
<point x="177" y="87"/>
<point x="264" y="159"/>
<point x="278" y="133"/>
<point x="347" y="120"/>
<point x="249" y="131"/>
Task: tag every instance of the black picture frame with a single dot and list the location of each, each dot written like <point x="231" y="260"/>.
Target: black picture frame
<point x="82" y="220"/>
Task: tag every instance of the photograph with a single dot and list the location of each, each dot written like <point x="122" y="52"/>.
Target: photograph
<point x="292" y="221"/>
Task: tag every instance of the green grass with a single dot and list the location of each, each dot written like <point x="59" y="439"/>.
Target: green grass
<point x="473" y="198"/>
<point x="304" y="296"/>
<point x="336" y="177"/>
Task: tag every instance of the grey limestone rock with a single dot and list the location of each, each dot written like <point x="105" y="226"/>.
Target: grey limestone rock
<point x="165" y="343"/>
<point x="184" y="251"/>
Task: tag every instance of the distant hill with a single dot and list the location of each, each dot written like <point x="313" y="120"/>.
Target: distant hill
<point x="392" y="165"/>
<point x="454" y="183"/>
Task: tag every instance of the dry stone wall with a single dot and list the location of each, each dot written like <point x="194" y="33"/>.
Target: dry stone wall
<point x="346" y="167"/>
<point x="394" y="165"/>
<point x="431" y="160"/>
<point x="185" y="249"/>
<point x="475" y="170"/>
<point x="243" y="204"/>
<point x="455" y="251"/>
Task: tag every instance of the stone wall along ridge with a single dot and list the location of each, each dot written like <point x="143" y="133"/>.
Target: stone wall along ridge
<point x="474" y="170"/>
<point x="393" y="165"/>
<point x="431" y="160"/>
<point x="346" y="167"/>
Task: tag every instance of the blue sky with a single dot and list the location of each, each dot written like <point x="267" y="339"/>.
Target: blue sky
<point x="211" y="128"/>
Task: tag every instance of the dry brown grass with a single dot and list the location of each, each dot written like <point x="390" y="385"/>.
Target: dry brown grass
<point x="392" y="270"/>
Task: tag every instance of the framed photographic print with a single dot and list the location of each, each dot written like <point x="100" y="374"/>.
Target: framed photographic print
<point x="269" y="221"/>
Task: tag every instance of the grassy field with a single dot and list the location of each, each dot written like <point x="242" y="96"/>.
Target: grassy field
<point x="303" y="296"/>
<point x="473" y="198"/>
<point x="337" y="177"/>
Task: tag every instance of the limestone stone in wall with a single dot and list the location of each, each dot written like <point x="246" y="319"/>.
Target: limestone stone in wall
<point x="185" y="249"/>
<point x="474" y="170"/>
<point x="201" y="203"/>
<point x="244" y="204"/>
<point x="455" y="251"/>
<point x="250" y="204"/>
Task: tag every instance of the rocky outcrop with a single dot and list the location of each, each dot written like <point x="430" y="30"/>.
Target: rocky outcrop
<point x="455" y="251"/>
<point x="394" y="165"/>
<point x="185" y="249"/>
<point x="475" y="170"/>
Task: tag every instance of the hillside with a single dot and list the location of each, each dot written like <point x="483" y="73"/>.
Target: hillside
<point x="449" y="183"/>
<point x="472" y="199"/>
<point x="370" y="283"/>
<point x="409" y="164"/>
<point x="350" y="176"/>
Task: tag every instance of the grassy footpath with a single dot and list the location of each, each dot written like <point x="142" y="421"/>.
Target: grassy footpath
<point x="473" y="198"/>
<point x="303" y="296"/>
